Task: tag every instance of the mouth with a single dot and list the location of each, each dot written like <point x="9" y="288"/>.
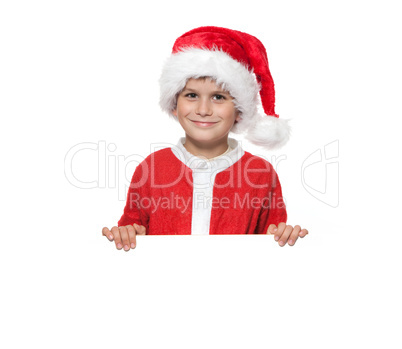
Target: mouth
<point x="204" y="123"/>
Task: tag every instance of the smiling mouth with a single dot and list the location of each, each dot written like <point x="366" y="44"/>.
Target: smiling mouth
<point x="203" y="123"/>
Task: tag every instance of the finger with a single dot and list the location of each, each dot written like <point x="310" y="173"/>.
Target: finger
<point x="271" y="229"/>
<point x="117" y="238"/>
<point x="106" y="232"/>
<point x="303" y="233"/>
<point x="124" y="238"/>
<point x="294" y="235"/>
<point x="285" y="235"/>
<point x="140" y="229"/>
<point x="131" y="235"/>
<point x="280" y="230"/>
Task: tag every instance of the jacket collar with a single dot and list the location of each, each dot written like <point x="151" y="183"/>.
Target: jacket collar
<point x="219" y="163"/>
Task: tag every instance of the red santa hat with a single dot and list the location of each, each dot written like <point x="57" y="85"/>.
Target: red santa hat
<point x="238" y="62"/>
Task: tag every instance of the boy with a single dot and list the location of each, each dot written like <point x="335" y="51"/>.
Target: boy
<point x="208" y="184"/>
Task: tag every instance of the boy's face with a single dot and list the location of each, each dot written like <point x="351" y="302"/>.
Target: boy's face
<point x="206" y="112"/>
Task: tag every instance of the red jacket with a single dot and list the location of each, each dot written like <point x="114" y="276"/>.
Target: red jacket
<point x="247" y="197"/>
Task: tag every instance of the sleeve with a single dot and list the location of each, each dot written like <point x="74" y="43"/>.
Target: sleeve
<point x="139" y="188"/>
<point x="274" y="209"/>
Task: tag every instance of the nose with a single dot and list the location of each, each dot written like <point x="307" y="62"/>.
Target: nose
<point x="203" y="107"/>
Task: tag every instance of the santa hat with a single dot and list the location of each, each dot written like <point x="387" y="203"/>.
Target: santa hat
<point x="238" y="62"/>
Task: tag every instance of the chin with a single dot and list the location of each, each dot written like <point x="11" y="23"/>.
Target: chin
<point x="208" y="139"/>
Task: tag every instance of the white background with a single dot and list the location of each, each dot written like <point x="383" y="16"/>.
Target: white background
<point x="76" y="72"/>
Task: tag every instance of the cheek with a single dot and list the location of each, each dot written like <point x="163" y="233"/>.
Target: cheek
<point x="181" y="109"/>
<point x="231" y="115"/>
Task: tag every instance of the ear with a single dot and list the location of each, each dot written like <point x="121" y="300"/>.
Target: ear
<point x="238" y="118"/>
<point x="174" y="112"/>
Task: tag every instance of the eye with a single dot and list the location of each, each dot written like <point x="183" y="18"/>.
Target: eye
<point x="219" y="97"/>
<point x="191" y="95"/>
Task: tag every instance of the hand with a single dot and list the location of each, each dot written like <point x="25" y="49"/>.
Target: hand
<point x="286" y="233"/>
<point x="124" y="235"/>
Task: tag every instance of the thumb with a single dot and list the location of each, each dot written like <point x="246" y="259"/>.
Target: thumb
<point x="140" y="229"/>
<point x="271" y="229"/>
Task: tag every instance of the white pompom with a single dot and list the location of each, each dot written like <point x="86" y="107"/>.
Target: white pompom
<point x="269" y="132"/>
